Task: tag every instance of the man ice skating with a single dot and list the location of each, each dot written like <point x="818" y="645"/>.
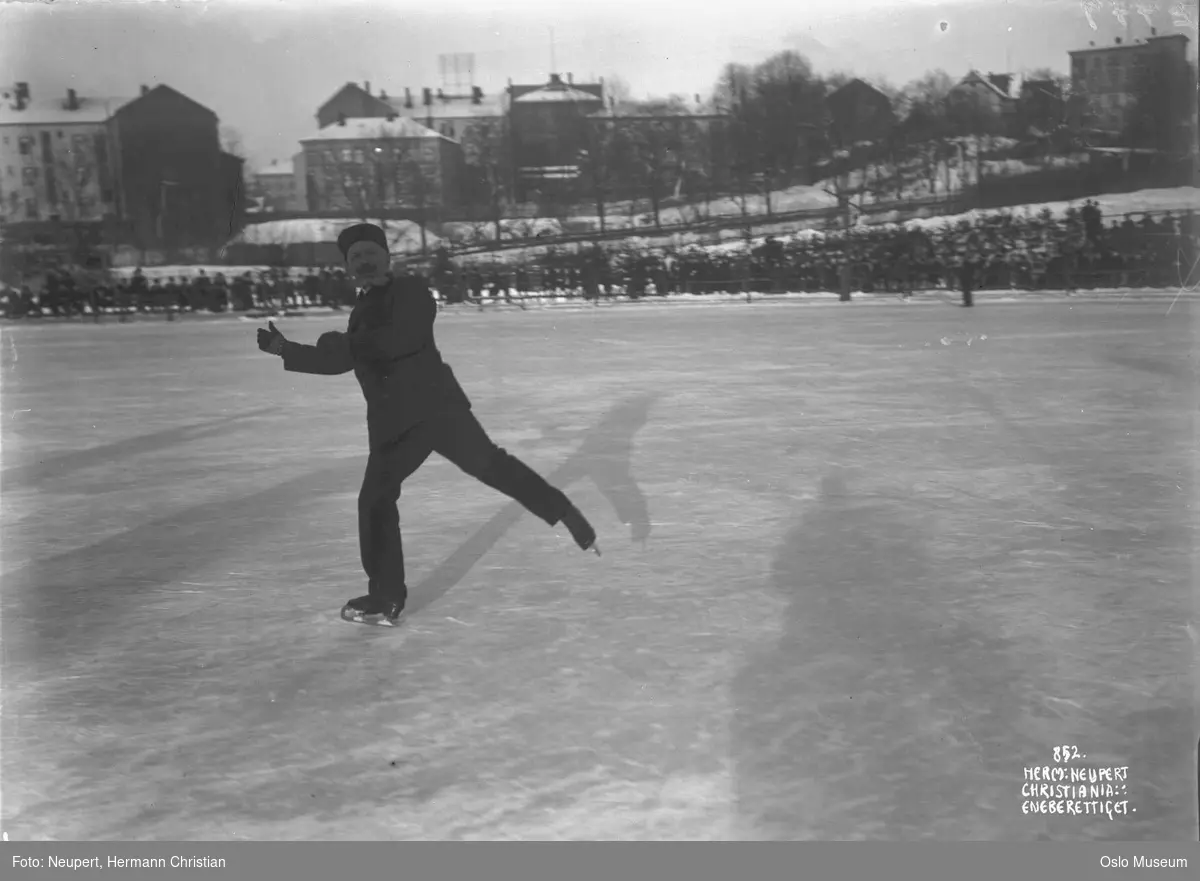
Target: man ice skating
<point x="415" y="407"/>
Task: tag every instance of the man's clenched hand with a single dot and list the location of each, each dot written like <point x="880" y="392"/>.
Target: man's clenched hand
<point x="270" y="339"/>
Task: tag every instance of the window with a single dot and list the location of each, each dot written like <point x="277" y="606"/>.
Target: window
<point x="29" y="175"/>
<point x="26" y="146"/>
<point x="31" y="209"/>
<point x="79" y="143"/>
<point x="347" y="153"/>
<point x="60" y="134"/>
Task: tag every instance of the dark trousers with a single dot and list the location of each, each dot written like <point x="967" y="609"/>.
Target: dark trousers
<point x="458" y="436"/>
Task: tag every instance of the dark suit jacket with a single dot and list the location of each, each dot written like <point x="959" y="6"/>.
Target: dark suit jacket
<point x="390" y="347"/>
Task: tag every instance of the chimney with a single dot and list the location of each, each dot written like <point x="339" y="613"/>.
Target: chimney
<point x="408" y="97"/>
<point x="476" y="95"/>
<point x="367" y="87"/>
<point x="72" y="100"/>
<point x="341" y="119"/>
<point x="145" y="90"/>
<point x="571" y="78"/>
<point x="22" y="95"/>
<point x="427" y="94"/>
<point x="555" y="80"/>
<point x="1154" y="32"/>
<point x="382" y="95"/>
<point x="1118" y="41"/>
<point x="441" y="95"/>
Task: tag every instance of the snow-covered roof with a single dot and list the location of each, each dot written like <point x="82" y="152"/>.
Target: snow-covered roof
<point x="555" y="93"/>
<point x="488" y="108"/>
<point x="284" y="167"/>
<point x="54" y="111"/>
<point x="975" y="78"/>
<point x="374" y="128"/>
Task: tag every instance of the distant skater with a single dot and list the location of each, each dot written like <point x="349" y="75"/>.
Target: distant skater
<point x="966" y="278"/>
<point x="415" y="407"/>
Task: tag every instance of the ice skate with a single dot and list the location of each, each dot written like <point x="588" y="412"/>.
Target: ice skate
<point x="373" y="611"/>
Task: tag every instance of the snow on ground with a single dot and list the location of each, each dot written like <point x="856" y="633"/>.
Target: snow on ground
<point x="1112" y="205"/>
<point x="892" y="557"/>
<point x="403" y="235"/>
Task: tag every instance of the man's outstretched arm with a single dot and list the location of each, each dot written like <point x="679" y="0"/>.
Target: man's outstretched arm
<point x="329" y="357"/>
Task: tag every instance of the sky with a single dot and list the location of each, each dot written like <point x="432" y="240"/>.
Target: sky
<point x="264" y="66"/>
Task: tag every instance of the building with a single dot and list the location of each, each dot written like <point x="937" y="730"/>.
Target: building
<point x="859" y="112"/>
<point x="392" y="164"/>
<point x="176" y="182"/>
<point x="352" y="101"/>
<point x="447" y="114"/>
<point x="1107" y="79"/>
<point x="56" y="157"/>
<point x="1043" y="107"/>
<point x="150" y="168"/>
<point x="549" y="127"/>
<point x="278" y="187"/>
<point x="523" y="137"/>
<point x="452" y="115"/>
<point x="985" y="101"/>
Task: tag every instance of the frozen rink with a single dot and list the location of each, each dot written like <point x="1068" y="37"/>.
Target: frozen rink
<point x="862" y="566"/>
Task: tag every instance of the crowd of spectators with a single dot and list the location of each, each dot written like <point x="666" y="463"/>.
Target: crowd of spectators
<point x="1005" y="251"/>
<point x="62" y="293"/>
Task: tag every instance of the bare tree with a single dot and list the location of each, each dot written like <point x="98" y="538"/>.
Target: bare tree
<point x="791" y="112"/>
<point x="656" y="135"/>
<point x="618" y="94"/>
<point x="702" y="166"/>
<point x="231" y="141"/>
<point x="385" y="175"/>
<point x="487" y="148"/>
<point x="76" y="180"/>
<point x="973" y="114"/>
<point x="602" y="159"/>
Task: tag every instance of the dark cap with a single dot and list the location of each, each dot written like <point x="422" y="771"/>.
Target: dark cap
<point x="361" y="232"/>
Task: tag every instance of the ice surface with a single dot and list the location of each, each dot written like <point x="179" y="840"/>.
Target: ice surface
<point x="884" y="571"/>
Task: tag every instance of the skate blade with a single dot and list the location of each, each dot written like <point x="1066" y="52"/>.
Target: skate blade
<point x="596" y="548"/>
<point x="355" y="617"/>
